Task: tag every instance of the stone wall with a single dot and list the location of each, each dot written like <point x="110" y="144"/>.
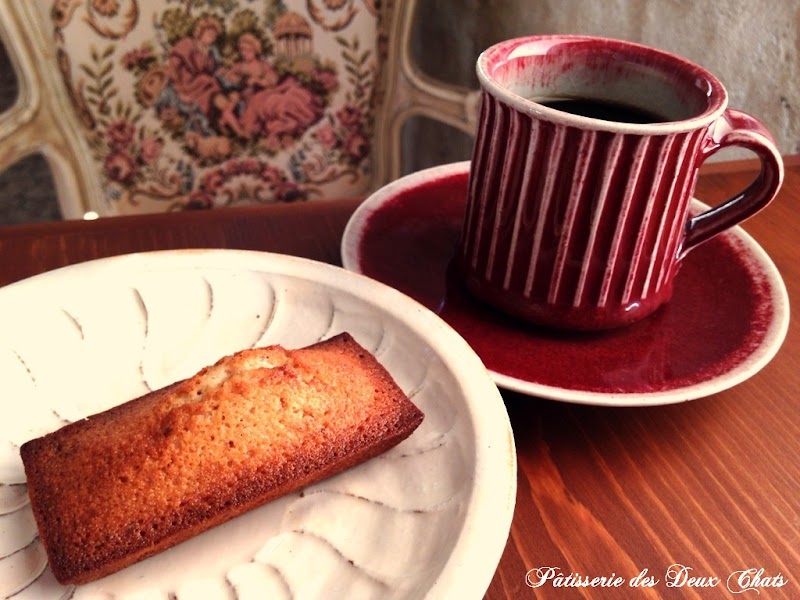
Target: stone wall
<point x="752" y="46"/>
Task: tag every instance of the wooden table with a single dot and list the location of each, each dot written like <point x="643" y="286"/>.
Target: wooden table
<point x="713" y="484"/>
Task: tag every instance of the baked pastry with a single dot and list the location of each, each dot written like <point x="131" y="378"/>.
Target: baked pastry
<point x="127" y="483"/>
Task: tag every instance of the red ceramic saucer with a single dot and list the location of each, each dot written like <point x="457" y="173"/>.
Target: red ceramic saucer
<point x="727" y="318"/>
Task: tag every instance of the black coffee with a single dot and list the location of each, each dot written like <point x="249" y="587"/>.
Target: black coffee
<point x="603" y="109"/>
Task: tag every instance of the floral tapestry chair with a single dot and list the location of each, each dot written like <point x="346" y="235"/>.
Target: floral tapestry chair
<point x="168" y="105"/>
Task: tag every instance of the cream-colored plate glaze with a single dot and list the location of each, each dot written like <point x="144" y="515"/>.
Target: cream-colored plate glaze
<point x="428" y="519"/>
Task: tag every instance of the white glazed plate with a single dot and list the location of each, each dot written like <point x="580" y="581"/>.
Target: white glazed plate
<point x="428" y="519"/>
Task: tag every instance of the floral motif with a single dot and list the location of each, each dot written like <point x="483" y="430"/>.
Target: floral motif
<point x="120" y="166"/>
<point x="120" y="133"/>
<point x="220" y="186"/>
<point x="107" y="8"/>
<point x="228" y="105"/>
<point x="139" y="59"/>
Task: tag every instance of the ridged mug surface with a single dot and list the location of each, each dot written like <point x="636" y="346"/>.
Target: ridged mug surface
<point x="575" y="222"/>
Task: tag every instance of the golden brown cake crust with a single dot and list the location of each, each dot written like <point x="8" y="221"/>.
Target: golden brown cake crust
<point x="132" y="481"/>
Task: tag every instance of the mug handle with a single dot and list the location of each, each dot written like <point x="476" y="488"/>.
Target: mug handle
<point x="736" y="128"/>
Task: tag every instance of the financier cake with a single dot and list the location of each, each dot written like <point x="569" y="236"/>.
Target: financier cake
<point x="132" y="481"/>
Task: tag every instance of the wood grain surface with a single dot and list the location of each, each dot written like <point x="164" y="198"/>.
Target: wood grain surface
<point x="712" y="485"/>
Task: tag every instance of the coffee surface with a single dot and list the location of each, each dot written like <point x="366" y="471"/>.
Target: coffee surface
<point x="603" y="109"/>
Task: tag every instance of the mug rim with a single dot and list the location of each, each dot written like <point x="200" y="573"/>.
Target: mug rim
<point x="500" y="53"/>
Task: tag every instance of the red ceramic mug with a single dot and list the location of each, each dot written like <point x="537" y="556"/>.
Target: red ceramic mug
<point x="584" y="165"/>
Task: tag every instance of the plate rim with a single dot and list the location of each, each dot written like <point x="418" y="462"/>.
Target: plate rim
<point x="489" y="509"/>
<point x="752" y="364"/>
